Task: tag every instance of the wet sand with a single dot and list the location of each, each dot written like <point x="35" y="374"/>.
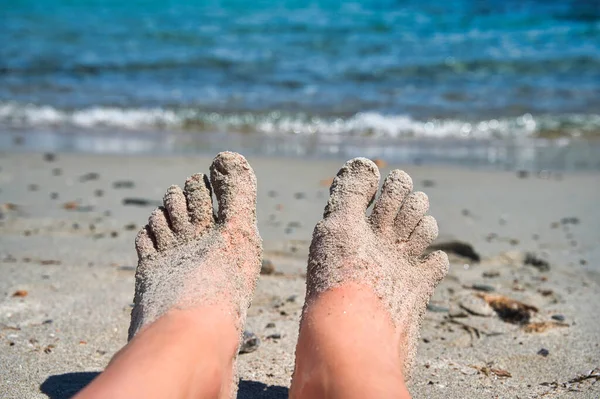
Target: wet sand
<point x="67" y="265"/>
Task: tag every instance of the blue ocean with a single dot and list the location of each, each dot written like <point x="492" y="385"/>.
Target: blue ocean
<point x="376" y="71"/>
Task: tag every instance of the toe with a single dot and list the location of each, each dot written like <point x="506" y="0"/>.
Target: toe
<point x="163" y="235"/>
<point x="422" y="236"/>
<point x="144" y="244"/>
<point x="436" y="264"/>
<point x="353" y="188"/>
<point x="396" y="187"/>
<point x="176" y="206"/>
<point x="234" y="183"/>
<point x="411" y="213"/>
<point x="199" y="202"/>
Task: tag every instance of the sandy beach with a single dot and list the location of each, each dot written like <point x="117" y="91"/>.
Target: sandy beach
<point x="67" y="264"/>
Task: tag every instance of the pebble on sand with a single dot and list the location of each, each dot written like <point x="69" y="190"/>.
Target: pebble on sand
<point x="476" y="305"/>
<point x="533" y="260"/>
<point x="380" y="163"/>
<point x="20" y="293"/>
<point x="123" y="184"/>
<point x="267" y="267"/>
<point x="250" y="342"/>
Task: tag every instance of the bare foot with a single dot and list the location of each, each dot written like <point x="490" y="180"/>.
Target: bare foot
<point x="189" y="257"/>
<point x="354" y="257"/>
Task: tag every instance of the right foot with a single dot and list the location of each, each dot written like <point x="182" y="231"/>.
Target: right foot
<point x="355" y="257"/>
<point x="191" y="258"/>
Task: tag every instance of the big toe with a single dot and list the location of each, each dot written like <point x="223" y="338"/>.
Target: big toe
<point x="353" y="188"/>
<point x="234" y="183"/>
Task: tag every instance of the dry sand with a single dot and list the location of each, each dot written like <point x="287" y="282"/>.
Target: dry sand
<point x="67" y="265"/>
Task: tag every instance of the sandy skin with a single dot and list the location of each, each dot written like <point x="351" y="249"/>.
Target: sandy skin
<point x="197" y="272"/>
<point x="367" y="285"/>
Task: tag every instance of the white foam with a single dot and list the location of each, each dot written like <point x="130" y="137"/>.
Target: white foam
<point x="363" y="124"/>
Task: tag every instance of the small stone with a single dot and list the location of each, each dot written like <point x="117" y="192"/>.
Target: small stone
<point x="299" y="196"/>
<point x="583" y="262"/>
<point x="428" y="183"/>
<point x="270" y="325"/>
<point x="98" y="193"/>
<point x="130" y="226"/>
<point x="114" y="234"/>
<point x="491" y="274"/>
<point x="558" y="317"/>
<point x="50" y="262"/>
<point x="476" y="305"/>
<point x="543" y="352"/>
<point x="483" y="287"/>
<point x="456" y="311"/>
<point x="436" y="308"/>
<point x="141" y="202"/>
<point x="274" y="336"/>
<point x="49" y="157"/>
<point x="267" y="267"/>
<point x="533" y="260"/>
<point x="570" y="220"/>
<point x="466" y="212"/>
<point x="54" y="196"/>
<point x="291" y="298"/>
<point x="250" y="342"/>
<point x="272" y="193"/>
<point x="123" y="184"/>
<point x="20" y="293"/>
<point x="522" y="174"/>
<point x="380" y="163"/>
<point x="513" y="241"/>
<point x="71" y="205"/>
<point x="89" y="176"/>
<point x="48" y="349"/>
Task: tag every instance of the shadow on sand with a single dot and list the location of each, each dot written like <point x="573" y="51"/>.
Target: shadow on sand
<point x="64" y="386"/>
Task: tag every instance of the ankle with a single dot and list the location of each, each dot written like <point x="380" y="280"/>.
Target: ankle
<point x="347" y="342"/>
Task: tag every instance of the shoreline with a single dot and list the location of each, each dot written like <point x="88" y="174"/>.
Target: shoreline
<point x="67" y="245"/>
<point x="527" y="154"/>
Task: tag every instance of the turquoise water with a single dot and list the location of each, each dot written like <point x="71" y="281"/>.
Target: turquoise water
<point x="496" y="69"/>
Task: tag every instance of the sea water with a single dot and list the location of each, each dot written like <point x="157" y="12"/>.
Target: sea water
<point x="514" y="82"/>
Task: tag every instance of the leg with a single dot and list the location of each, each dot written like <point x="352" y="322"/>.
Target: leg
<point x="194" y="282"/>
<point x="367" y="288"/>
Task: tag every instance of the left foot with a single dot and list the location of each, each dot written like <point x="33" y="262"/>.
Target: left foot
<point x="368" y="269"/>
<point x="190" y="258"/>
